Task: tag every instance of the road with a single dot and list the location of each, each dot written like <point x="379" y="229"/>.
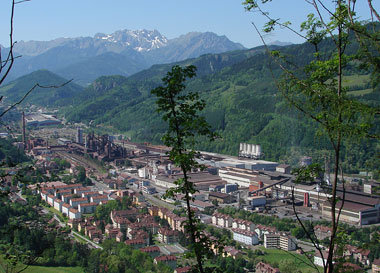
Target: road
<point x="85" y="239"/>
<point x="61" y="224"/>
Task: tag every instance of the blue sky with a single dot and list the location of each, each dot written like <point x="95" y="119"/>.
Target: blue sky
<point x="49" y="19"/>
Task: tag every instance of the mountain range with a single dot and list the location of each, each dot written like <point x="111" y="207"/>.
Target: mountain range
<point x="243" y="103"/>
<point x="123" y="52"/>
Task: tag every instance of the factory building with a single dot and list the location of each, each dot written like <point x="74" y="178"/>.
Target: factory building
<point x="201" y="180"/>
<point x="37" y="120"/>
<point x="358" y="209"/>
<point x="79" y="137"/>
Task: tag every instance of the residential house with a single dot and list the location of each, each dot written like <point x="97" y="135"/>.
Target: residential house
<point x="322" y="232"/>
<point x="261" y="230"/>
<point x="87" y="207"/>
<point x="153" y="251"/>
<point x="169" y="260"/>
<point x="74" y="214"/>
<point x="262" y="267"/>
<point x="76" y="201"/>
<point x="119" y="237"/>
<point x="281" y="241"/>
<point x="376" y="266"/>
<point x="358" y="254"/>
<point x="185" y="269"/>
<point x="243" y="224"/>
<point x="222" y="220"/>
<point x="66" y="208"/>
<point x="245" y="236"/>
<point x="58" y="205"/>
<point x="50" y="200"/>
<point x="153" y="210"/>
<point x="320" y="260"/>
<point x="230" y="251"/>
<point x="167" y="236"/>
<point x="99" y="198"/>
<point x="136" y="243"/>
<point x="79" y="191"/>
<point x="112" y="232"/>
<point x="67" y="198"/>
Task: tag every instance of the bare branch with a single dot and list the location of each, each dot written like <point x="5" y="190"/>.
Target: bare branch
<point x="19" y="56"/>
<point x="314" y="241"/>
<point x="10" y="57"/>
<point x="30" y="90"/>
<point x="373" y="11"/>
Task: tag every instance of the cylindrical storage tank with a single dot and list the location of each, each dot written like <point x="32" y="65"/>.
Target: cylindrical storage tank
<point x="241" y="147"/>
<point x="249" y="149"/>
<point x="253" y="149"/>
<point x="245" y="148"/>
<point x="258" y="150"/>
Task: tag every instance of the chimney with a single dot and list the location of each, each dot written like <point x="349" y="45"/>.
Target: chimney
<point x="23" y="130"/>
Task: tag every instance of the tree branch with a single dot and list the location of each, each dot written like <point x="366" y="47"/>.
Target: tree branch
<point x="30" y="90"/>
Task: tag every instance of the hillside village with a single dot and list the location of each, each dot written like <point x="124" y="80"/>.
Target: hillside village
<point x="127" y="204"/>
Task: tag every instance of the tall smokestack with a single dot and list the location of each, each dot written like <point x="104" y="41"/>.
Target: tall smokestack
<point x="23" y="130"/>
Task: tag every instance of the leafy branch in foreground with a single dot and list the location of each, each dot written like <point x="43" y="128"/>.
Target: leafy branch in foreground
<point x="316" y="88"/>
<point x="181" y="111"/>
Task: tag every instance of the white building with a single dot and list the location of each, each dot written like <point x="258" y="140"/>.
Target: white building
<point x="76" y="201"/>
<point x="281" y="241"/>
<point x="98" y="199"/>
<point x="58" y="205"/>
<point x="243" y="224"/>
<point x="271" y="240"/>
<point x="245" y="236"/>
<point x="87" y="207"/>
<point x="50" y="200"/>
<point x="318" y="260"/>
<point x="222" y="220"/>
<point x="287" y="243"/>
<point x="74" y="214"/>
<point x="66" y="208"/>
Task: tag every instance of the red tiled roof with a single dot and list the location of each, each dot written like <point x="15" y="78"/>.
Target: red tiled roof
<point x="100" y="197"/>
<point x="322" y="228"/>
<point x="183" y="269"/>
<point x="166" y="258"/>
<point x="135" y="242"/>
<point x="221" y="215"/>
<point x="150" y="249"/>
<point x="244" y="232"/>
<point x="87" y="205"/>
<point x="79" y="199"/>
<point x="167" y="232"/>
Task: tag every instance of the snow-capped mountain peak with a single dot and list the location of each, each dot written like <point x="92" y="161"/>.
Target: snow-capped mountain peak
<point x="139" y="40"/>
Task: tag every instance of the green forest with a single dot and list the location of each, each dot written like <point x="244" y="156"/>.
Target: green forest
<point x="243" y="105"/>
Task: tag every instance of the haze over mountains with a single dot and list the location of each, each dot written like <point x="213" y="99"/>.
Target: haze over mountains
<point x="242" y="100"/>
<point x="123" y="52"/>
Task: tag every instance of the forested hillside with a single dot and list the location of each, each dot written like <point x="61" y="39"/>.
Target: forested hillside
<point x="49" y="97"/>
<point x="243" y="104"/>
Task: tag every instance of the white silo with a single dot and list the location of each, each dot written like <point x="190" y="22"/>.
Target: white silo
<point x="249" y="152"/>
<point x="258" y="150"/>
<point x="253" y="150"/>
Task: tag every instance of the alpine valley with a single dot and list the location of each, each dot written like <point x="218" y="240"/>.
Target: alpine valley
<point x="243" y="103"/>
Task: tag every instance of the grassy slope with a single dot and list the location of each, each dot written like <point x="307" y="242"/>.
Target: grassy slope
<point x="44" y="269"/>
<point x="277" y="255"/>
